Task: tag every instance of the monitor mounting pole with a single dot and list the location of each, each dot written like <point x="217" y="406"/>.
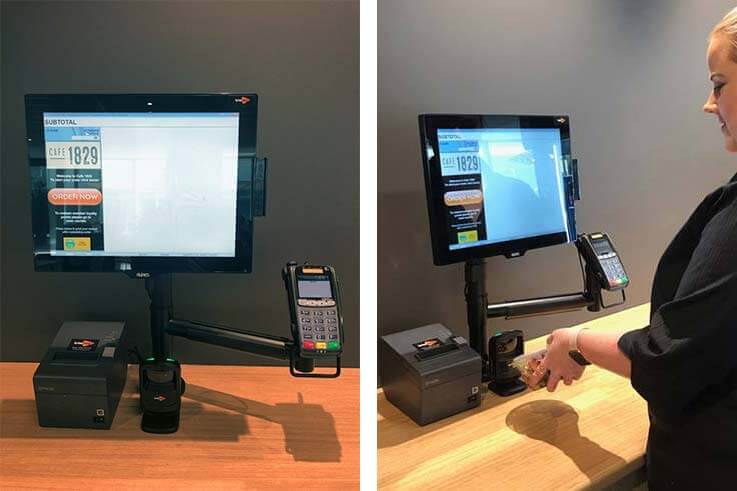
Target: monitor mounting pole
<point x="158" y="286"/>
<point x="476" y="302"/>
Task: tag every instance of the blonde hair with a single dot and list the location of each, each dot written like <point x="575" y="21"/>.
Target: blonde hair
<point x="727" y="27"/>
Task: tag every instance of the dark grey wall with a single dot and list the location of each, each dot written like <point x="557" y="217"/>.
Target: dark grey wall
<point x="302" y="58"/>
<point x="632" y="75"/>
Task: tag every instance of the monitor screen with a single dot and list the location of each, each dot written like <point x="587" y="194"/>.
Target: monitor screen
<point x="142" y="182"/>
<point x="496" y="184"/>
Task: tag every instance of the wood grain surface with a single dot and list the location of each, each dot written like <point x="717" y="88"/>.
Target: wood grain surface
<point x="241" y="428"/>
<point x="589" y="434"/>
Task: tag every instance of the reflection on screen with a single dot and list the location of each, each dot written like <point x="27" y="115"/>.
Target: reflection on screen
<point x="501" y="184"/>
<point x="142" y="184"/>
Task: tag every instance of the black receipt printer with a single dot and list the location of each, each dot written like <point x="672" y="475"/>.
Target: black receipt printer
<point x="429" y="373"/>
<point x="80" y="379"/>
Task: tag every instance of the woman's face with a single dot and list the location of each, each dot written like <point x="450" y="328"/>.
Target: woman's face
<point x="722" y="101"/>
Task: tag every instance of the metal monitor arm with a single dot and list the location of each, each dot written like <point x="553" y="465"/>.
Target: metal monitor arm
<point x="163" y="322"/>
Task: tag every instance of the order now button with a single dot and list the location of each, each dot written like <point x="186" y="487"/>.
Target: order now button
<point x="75" y="197"/>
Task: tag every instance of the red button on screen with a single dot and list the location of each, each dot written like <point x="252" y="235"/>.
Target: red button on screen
<point x="308" y="344"/>
<point x="75" y="197"/>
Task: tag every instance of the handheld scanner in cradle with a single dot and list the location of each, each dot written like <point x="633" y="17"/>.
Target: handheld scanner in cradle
<point x="599" y="253"/>
<point x="314" y="309"/>
<point x="161" y="387"/>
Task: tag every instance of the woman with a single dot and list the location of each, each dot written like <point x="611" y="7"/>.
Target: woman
<point x="684" y="364"/>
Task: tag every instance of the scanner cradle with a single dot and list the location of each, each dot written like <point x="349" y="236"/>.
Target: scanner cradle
<point x="161" y="387"/>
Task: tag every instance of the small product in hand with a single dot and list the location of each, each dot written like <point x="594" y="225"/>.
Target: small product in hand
<point x="527" y="364"/>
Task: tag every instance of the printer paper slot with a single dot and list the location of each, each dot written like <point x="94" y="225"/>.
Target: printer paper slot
<point x="76" y="356"/>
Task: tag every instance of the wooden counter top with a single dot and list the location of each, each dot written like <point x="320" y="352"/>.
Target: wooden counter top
<point x="590" y="433"/>
<point x="241" y="428"/>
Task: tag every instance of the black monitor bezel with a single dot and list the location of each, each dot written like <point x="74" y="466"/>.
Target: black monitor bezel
<point x="245" y="104"/>
<point x="429" y="125"/>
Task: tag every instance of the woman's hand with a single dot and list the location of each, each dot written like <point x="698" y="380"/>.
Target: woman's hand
<point x="557" y="360"/>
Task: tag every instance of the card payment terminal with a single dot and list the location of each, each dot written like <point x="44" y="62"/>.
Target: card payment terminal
<point x="599" y="253"/>
<point x="314" y="308"/>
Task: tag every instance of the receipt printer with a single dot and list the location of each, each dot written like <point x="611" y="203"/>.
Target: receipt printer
<point x="429" y="373"/>
<point x="80" y="379"/>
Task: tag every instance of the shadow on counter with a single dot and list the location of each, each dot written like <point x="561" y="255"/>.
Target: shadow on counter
<point x="309" y="431"/>
<point x="390" y="413"/>
<point x="556" y="423"/>
<point x="20" y="421"/>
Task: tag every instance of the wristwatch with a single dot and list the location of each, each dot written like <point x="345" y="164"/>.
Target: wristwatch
<point x="573" y="350"/>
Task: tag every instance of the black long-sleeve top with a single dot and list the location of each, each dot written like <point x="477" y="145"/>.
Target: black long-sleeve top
<point x="684" y="364"/>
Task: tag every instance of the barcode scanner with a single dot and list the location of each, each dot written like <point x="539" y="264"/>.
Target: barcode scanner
<point x="161" y="389"/>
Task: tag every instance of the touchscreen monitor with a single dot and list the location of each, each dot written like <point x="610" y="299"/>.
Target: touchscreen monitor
<point x="149" y="182"/>
<point x="496" y="184"/>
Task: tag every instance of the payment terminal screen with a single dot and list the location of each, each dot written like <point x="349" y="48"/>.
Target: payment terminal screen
<point x="314" y="289"/>
<point x="501" y="184"/>
<point x="142" y="184"/>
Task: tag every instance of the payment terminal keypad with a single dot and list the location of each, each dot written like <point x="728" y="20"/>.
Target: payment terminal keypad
<point x="614" y="271"/>
<point x="317" y="321"/>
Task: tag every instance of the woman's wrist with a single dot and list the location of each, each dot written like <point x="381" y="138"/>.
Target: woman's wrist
<point x="573" y="336"/>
